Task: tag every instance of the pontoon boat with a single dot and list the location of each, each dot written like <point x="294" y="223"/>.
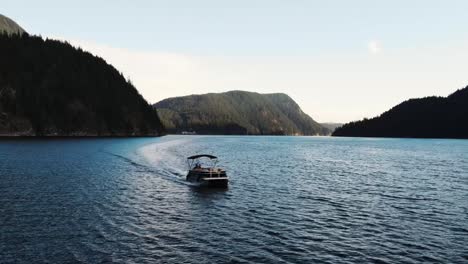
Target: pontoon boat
<point x="206" y="174"/>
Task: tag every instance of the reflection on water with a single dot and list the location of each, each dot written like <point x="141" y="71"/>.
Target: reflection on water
<point x="290" y="200"/>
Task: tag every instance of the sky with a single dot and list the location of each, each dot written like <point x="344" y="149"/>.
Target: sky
<point x="339" y="60"/>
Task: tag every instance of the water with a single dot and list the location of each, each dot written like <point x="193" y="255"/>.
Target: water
<point x="290" y="200"/>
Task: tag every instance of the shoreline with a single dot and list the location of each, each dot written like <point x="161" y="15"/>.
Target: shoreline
<point x="77" y="137"/>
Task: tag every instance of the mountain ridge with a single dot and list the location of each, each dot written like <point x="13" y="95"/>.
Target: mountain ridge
<point x="331" y="125"/>
<point x="9" y="26"/>
<point x="237" y="112"/>
<point x="50" y="88"/>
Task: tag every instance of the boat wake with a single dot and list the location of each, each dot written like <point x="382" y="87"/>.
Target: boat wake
<point x="161" y="159"/>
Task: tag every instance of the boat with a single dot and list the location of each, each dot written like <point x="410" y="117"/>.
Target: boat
<point x="203" y="171"/>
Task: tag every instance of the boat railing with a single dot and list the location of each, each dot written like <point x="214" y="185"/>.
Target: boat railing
<point x="209" y="172"/>
<point x="218" y="172"/>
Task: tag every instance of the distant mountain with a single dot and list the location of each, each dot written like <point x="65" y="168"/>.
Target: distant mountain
<point x="49" y="88"/>
<point x="9" y="26"/>
<point x="237" y="112"/>
<point x="430" y="117"/>
<point x="331" y="126"/>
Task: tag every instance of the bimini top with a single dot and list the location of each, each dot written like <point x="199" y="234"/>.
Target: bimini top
<point x="202" y="156"/>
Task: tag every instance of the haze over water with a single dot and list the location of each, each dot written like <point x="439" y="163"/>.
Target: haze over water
<point x="290" y="200"/>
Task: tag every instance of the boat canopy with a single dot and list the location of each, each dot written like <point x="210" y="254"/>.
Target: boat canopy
<point x="202" y="156"/>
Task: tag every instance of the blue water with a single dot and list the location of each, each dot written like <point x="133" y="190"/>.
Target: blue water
<point x="290" y="200"/>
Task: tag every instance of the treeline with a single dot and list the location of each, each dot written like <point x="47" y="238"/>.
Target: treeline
<point x="430" y="117"/>
<point x="49" y="87"/>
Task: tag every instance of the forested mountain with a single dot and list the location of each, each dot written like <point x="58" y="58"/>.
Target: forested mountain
<point x="9" y="26"/>
<point x="237" y="112"/>
<point x="50" y="88"/>
<point x="430" y="117"/>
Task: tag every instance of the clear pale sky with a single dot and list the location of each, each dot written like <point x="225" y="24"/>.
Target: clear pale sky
<point x="340" y="60"/>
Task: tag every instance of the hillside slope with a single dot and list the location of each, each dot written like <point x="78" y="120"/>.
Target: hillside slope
<point x="9" y="26"/>
<point x="50" y="88"/>
<point x="430" y="117"/>
<point x="237" y="112"/>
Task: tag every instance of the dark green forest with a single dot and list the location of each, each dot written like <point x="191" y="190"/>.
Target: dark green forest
<point x="49" y="87"/>
<point x="430" y="117"/>
<point x="237" y="112"/>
